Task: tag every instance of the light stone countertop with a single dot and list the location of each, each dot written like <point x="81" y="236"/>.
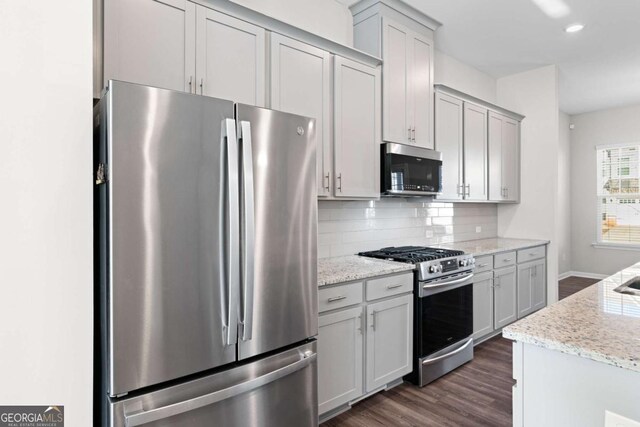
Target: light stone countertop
<point x="354" y="267"/>
<point x="595" y="323"/>
<point x="492" y="246"/>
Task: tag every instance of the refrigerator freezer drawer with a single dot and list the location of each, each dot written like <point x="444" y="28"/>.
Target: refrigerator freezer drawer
<point x="279" y="390"/>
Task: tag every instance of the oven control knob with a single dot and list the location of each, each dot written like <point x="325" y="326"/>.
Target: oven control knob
<point x="463" y="263"/>
<point x="432" y="269"/>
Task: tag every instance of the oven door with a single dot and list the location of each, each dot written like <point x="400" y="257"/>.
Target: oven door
<point x="444" y="313"/>
<point x="410" y="171"/>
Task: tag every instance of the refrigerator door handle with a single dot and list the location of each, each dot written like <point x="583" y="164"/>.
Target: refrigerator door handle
<point x="233" y="231"/>
<point x="138" y="416"/>
<point x="248" y="227"/>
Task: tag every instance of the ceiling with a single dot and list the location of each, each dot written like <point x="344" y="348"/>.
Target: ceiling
<point x="599" y="67"/>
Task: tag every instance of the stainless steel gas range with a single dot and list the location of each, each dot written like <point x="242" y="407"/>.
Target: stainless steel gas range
<point x="443" y="308"/>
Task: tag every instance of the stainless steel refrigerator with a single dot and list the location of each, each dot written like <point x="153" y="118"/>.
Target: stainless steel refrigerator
<point x="207" y="271"/>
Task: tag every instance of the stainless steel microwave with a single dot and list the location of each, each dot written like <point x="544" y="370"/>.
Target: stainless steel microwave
<point x="409" y="171"/>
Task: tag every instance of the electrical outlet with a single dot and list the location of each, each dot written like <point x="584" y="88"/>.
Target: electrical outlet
<point x="478" y="229"/>
<point x="612" y="419"/>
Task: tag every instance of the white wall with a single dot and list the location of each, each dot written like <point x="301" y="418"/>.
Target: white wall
<point x="458" y="75"/>
<point x="613" y="126"/>
<point x="346" y="228"/>
<point x="327" y="18"/>
<point x="46" y="183"/>
<point x="564" y="196"/>
<point x="535" y="94"/>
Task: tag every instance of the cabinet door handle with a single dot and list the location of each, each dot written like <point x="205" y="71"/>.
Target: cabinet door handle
<point x="201" y="86"/>
<point x="190" y="84"/>
<point x="409" y="134"/>
<point x="340" y="182"/>
<point x="373" y="319"/>
<point x="360" y="323"/>
<point x="389" y="287"/>
<point x="459" y="190"/>
<point x="468" y="192"/>
<point x="338" y="298"/>
<point x="413" y="134"/>
<point x="328" y="181"/>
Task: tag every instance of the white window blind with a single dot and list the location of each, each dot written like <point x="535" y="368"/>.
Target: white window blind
<point x="618" y="194"/>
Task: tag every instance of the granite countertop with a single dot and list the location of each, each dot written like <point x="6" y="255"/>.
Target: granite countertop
<point x="492" y="246"/>
<point x="354" y="267"/>
<point x="595" y="323"/>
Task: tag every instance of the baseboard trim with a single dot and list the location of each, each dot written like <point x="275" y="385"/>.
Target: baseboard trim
<point x="582" y="274"/>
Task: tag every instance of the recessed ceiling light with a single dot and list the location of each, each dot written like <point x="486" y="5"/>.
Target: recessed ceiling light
<point x="574" y="28"/>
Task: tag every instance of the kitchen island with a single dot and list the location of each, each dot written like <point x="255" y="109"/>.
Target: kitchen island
<point x="579" y="358"/>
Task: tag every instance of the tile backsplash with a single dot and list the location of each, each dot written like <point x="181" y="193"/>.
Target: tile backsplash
<point x="346" y="228"/>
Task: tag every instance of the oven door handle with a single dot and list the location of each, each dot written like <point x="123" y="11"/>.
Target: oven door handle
<point x="449" y="282"/>
<point x="444" y="356"/>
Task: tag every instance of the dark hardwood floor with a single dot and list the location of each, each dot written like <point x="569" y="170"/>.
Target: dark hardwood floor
<point x="476" y="394"/>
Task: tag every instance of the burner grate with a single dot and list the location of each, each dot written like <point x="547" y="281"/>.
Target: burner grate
<point x="411" y="254"/>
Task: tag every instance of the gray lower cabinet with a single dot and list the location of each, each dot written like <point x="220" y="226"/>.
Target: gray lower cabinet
<point x="505" y="294"/>
<point x="482" y="304"/>
<point x="531" y="287"/>
<point x="389" y="340"/>
<point x="508" y="286"/>
<point x="365" y="339"/>
<point x="340" y="339"/>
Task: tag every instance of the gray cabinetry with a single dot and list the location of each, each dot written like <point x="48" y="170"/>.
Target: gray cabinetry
<point x="505" y="293"/>
<point x="507" y="286"/>
<point x="365" y="339"/>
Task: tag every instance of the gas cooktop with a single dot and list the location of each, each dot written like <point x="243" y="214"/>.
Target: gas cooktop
<point x="411" y="254"/>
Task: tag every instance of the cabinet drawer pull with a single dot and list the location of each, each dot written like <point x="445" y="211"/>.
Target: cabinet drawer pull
<point x="389" y="287"/>
<point x="482" y="265"/>
<point x="508" y="259"/>
<point x="338" y="298"/>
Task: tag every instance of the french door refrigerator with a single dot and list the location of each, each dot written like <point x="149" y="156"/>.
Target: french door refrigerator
<point x="206" y="231"/>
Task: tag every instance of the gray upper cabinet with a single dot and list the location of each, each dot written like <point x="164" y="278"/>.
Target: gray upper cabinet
<point x="230" y="58"/>
<point x="301" y="84"/>
<point x="150" y="42"/>
<point x="357" y="128"/>
<point x="475" y="152"/>
<point x="403" y="37"/>
<point x="504" y="158"/>
<point x="449" y="142"/>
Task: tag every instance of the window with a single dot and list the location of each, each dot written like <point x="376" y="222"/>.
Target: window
<point x="618" y="194"/>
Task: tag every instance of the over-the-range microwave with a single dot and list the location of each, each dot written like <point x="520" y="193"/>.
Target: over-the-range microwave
<point x="409" y="171"/>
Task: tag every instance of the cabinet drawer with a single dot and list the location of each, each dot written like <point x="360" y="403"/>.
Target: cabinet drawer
<point x="484" y="263"/>
<point x="530" y="254"/>
<point x="339" y="296"/>
<point x="388" y="286"/>
<point x="504" y="260"/>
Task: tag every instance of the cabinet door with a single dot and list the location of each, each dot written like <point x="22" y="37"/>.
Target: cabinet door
<point x="300" y="84"/>
<point x="396" y="123"/>
<point x="482" y="304"/>
<point x="150" y="42"/>
<point x="356" y="129"/>
<point x="511" y="159"/>
<point x="389" y="340"/>
<point x="475" y="152"/>
<point x="539" y="285"/>
<point x="421" y="95"/>
<point x="340" y="363"/>
<point x="505" y="304"/>
<point x="525" y="289"/>
<point x="230" y="58"/>
<point x="496" y="184"/>
<point x="504" y="164"/>
<point x="448" y="141"/>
